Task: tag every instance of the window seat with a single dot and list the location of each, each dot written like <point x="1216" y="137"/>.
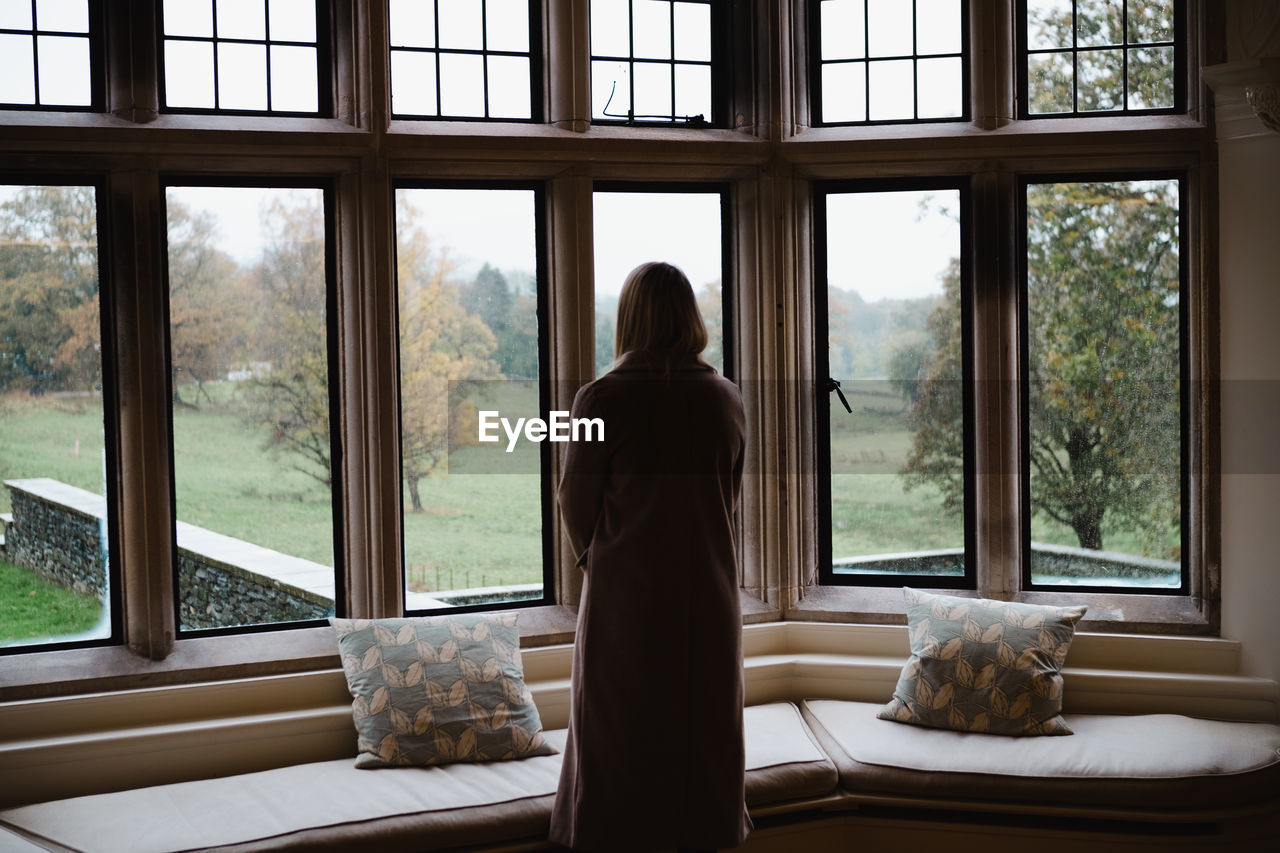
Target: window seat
<point x="1114" y="767"/>
<point x="332" y="805"/>
<point x="266" y="763"/>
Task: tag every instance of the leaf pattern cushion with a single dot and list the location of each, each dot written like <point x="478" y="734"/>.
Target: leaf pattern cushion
<point x="438" y="689"/>
<point x="978" y="665"/>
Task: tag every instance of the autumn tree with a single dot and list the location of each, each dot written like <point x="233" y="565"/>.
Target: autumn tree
<point x="1103" y="343"/>
<point x="440" y="342"/>
<point x="49" y="321"/>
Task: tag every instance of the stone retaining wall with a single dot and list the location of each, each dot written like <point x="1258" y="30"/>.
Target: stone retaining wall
<point x="55" y="533"/>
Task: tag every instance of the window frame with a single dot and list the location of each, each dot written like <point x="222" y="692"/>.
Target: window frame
<point x="1185" y="401"/>
<point x="1180" y="54"/>
<point x="97" y="63"/>
<point x="768" y="157"/>
<point x="694" y="187"/>
<point x="547" y="486"/>
<point x="183" y="180"/>
<point x="723" y="23"/>
<point x="816" y="64"/>
<point x="110" y="405"/>
<point x="324" y="63"/>
<point x="827" y="575"/>
<point x="537" y="97"/>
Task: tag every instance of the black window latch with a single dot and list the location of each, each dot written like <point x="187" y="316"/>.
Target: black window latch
<point x="834" y="385"/>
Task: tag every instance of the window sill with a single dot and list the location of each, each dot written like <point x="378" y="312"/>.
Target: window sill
<point x="1108" y="613"/>
<point x="109" y="668"/>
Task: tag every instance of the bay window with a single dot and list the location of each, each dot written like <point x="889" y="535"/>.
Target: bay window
<point x="331" y="234"/>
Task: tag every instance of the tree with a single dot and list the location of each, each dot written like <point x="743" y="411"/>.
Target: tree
<point x="441" y="342"/>
<point x="291" y="397"/>
<point x="711" y="306"/>
<point x="1103" y="338"/>
<point x="209" y="302"/>
<point x="49" y="327"/>
<point x="511" y="316"/>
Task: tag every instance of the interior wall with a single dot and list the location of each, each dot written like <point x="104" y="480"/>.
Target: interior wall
<point x="1249" y="304"/>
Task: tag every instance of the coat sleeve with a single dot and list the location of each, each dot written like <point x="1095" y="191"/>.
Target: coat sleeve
<point x="581" y="491"/>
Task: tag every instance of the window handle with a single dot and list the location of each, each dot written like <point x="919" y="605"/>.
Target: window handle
<point x="834" y="385"/>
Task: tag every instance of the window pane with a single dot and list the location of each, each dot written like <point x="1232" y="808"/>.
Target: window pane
<point x="1151" y="78"/>
<point x="843" y="29"/>
<point x="54" y="562"/>
<point x="1099" y="22"/>
<point x="293" y="78"/>
<point x="248" y="356"/>
<point x="1103" y="350"/>
<point x="461" y="84"/>
<point x="889" y="28"/>
<point x="693" y="31"/>
<point x="63" y="16"/>
<point x="892" y="90"/>
<point x="242" y="76"/>
<point x="610" y="28"/>
<point x="894" y="344"/>
<point x="293" y="20"/>
<point x="188" y="18"/>
<point x="17" y="69"/>
<point x="413" y="89"/>
<point x="413" y="23"/>
<point x="15" y="14"/>
<point x="242" y="19"/>
<point x="1150" y="21"/>
<point x="467" y="280"/>
<point x="188" y="74"/>
<point x="509" y="87"/>
<point x="507" y="25"/>
<point x="1050" y="81"/>
<point x="461" y="24"/>
<point x="844" y="92"/>
<point x="1049" y="24"/>
<point x="684" y="229"/>
<point x="653" y="90"/>
<point x="610" y="89"/>
<point x="938" y="26"/>
<point x="64" y="70"/>
<point x="693" y="90"/>
<point x="939" y="87"/>
<point x="1101" y="82"/>
<point x="651" y="29"/>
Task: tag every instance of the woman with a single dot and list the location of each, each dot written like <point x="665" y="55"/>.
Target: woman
<point x="654" y="758"/>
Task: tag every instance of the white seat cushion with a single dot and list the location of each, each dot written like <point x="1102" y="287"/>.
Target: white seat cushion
<point x="1151" y="761"/>
<point x="333" y="805"/>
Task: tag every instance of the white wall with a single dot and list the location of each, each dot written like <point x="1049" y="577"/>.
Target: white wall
<point x="1249" y="301"/>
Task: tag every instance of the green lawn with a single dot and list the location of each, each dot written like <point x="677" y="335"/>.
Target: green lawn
<point x="32" y="608"/>
<point x="479" y="529"/>
<point x="475" y="529"/>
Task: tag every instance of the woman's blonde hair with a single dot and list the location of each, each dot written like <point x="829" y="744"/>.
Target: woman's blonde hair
<point x="657" y="312"/>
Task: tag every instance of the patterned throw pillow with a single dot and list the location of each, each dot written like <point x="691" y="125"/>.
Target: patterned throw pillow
<point x="978" y="665"/>
<point x="438" y="689"/>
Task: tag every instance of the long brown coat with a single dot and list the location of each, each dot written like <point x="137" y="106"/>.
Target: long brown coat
<point x="655" y="757"/>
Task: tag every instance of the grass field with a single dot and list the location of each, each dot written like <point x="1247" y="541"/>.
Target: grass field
<point x="32" y="608"/>
<point x="475" y="529"/>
